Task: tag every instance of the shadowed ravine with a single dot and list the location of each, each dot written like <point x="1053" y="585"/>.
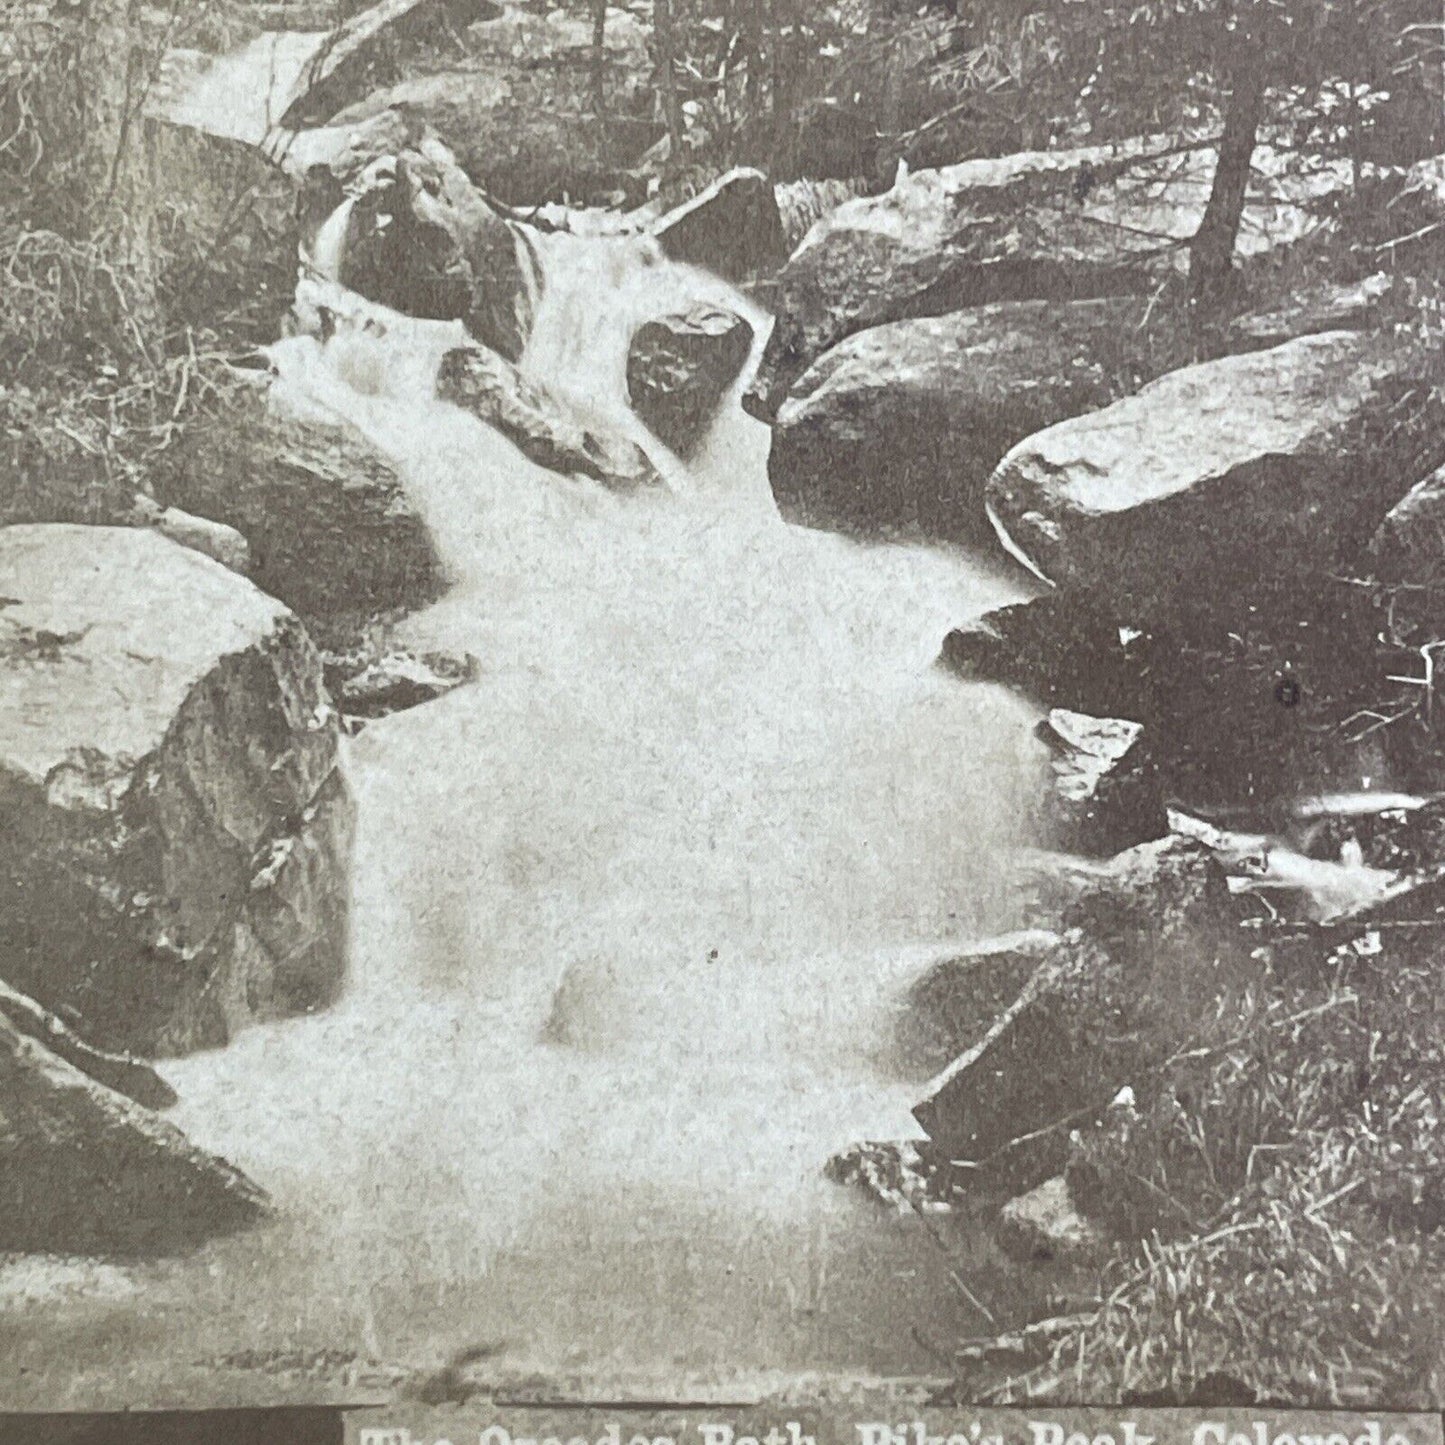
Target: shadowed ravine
<point x="630" y="914"/>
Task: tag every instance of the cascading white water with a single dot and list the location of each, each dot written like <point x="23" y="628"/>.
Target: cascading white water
<point x="630" y="912"/>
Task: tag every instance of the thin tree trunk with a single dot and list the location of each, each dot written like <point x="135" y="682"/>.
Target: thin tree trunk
<point x="1211" y="253"/>
<point x="118" y="156"/>
<point x="666" y="76"/>
<point x="599" y="58"/>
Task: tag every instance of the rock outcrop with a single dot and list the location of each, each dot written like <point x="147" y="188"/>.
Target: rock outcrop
<point x="732" y="227"/>
<point x="537" y="423"/>
<point x="421" y="239"/>
<point x="679" y="369"/>
<point x="1039" y="225"/>
<point x="174" y="857"/>
<point x="397" y="681"/>
<point x="896" y="429"/>
<point x="330" y="529"/>
<point x="1325" y="306"/>
<point x="365" y="50"/>
<point x="1225" y="478"/>
<point x="86" y="1170"/>
<point x="1148" y="945"/>
<point x="1060" y="653"/>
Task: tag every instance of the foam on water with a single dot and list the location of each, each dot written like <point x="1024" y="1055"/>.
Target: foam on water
<point x="631" y="911"/>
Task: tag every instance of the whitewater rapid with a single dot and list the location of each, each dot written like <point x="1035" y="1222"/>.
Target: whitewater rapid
<point x="631" y="914"/>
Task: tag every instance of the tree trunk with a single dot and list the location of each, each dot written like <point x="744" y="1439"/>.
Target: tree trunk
<point x="118" y="158"/>
<point x="666" y="76"/>
<point x="599" y="58"/>
<point x="1211" y="253"/>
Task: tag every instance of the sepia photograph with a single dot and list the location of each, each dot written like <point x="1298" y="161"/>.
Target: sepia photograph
<point x="724" y="705"/>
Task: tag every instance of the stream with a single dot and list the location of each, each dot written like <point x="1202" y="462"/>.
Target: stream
<point x="632" y="914"/>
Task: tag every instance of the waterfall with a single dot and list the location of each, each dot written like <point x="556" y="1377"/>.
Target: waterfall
<point x="632" y="910"/>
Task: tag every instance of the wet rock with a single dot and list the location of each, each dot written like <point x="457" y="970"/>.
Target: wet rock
<point x="1149" y="944"/>
<point x="733" y="227"/>
<point x="174" y="860"/>
<point x="397" y="681"/>
<point x="329" y="525"/>
<point x="519" y="113"/>
<point x="1060" y="652"/>
<point x="85" y="1170"/>
<point x="957" y="998"/>
<point x="897" y="429"/>
<point x="1045" y="1226"/>
<point x="325" y="164"/>
<point x="221" y="543"/>
<point x="126" y="1075"/>
<point x="1325" y="306"/>
<point x="1040" y="225"/>
<point x="680" y="367"/>
<point x="537" y="423"/>
<point x="1105" y="795"/>
<point x="421" y="239"/>
<point x="1224" y="480"/>
<point x="1407" y="555"/>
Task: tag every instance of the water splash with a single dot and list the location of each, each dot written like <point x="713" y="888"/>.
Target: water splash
<point x="631" y="910"/>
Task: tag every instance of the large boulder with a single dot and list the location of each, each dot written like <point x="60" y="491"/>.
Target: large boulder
<point x="1224" y="478"/>
<point x="540" y="425"/>
<point x="897" y="429"/>
<point x="1040" y="225"/>
<point x="680" y="367"/>
<point x="520" y="111"/>
<point x="732" y="227"/>
<point x="176" y="838"/>
<point x="86" y="1170"/>
<point x="330" y="529"/>
<point x="417" y="236"/>
<point x="1149" y="944"/>
<point x="231" y="233"/>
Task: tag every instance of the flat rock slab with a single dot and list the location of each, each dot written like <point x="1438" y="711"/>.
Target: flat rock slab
<point x="175" y="852"/>
<point x="85" y="1170"/>
<point x="1219" y="478"/>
